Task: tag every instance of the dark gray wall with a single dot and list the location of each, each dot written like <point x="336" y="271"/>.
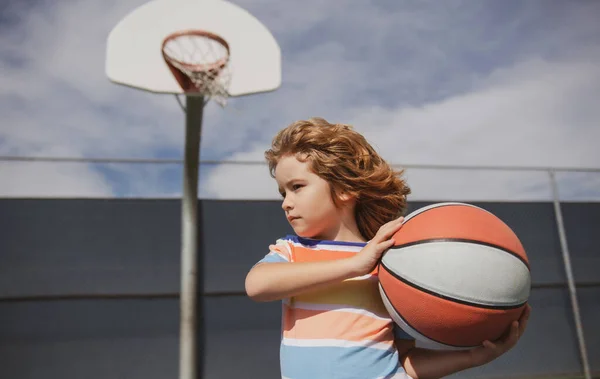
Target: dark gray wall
<point x="88" y="288"/>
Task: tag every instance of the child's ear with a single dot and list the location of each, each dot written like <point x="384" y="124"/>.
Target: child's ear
<point x="345" y="196"/>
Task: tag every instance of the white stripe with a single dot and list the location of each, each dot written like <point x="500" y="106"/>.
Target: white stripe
<point x="336" y="343"/>
<point x="286" y="244"/>
<point x="330" y="247"/>
<point x="338" y="308"/>
<point x="398" y="375"/>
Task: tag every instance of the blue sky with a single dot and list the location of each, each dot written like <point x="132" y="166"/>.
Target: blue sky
<point x="491" y="83"/>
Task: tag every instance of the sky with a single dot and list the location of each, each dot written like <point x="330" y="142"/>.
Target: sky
<point x="454" y="83"/>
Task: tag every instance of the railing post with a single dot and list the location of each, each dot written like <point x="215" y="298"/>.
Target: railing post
<point x="570" y="279"/>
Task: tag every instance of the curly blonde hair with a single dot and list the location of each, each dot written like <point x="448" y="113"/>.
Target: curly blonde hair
<point x="345" y="159"/>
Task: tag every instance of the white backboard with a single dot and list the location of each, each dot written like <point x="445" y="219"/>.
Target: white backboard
<point x="134" y="58"/>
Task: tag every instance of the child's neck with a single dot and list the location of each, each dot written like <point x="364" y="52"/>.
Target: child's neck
<point x="349" y="237"/>
<point x="347" y="228"/>
<point x="340" y="237"/>
<point x="346" y="232"/>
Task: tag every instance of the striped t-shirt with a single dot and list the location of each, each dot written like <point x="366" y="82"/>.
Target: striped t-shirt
<point x="342" y="331"/>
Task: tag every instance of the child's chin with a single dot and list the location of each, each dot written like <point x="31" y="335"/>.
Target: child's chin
<point x="300" y="232"/>
<point x="304" y="234"/>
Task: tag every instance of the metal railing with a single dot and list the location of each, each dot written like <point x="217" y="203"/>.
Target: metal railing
<point x="17" y="158"/>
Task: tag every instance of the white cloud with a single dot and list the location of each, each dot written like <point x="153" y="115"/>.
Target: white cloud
<point x="456" y="84"/>
<point x="56" y="100"/>
<point x="478" y="185"/>
<point x="534" y="114"/>
<point x="539" y="114"/>
<point x="578" y="186"/>
<point x="233" y="181"/>
<point x="23" y="180"/>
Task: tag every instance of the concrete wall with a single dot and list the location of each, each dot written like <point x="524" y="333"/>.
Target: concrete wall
<point x="89" y="289"/>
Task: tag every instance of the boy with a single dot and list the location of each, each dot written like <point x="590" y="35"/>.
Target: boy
<point x="344" y="202"/>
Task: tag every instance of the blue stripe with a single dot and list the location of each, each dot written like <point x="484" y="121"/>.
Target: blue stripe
<point x="314" y="242"/>
<point x="273" y="258"/>
<point x="299" y="362"/>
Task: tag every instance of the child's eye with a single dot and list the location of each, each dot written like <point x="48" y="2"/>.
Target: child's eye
<point x="296" y="187"/>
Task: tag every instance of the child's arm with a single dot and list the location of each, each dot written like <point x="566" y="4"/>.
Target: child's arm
<point x="426" y="364"/>
<point x="276" y="281"/>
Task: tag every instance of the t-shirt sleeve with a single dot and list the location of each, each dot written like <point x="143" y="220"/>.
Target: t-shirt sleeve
<point x="280" y="251"/>
<point x="400" y="334"/>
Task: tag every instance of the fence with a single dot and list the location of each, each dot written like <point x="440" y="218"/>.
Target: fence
<point x="40" y="272"/>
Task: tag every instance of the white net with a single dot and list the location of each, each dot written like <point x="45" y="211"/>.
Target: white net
<point x="202" y="62"/>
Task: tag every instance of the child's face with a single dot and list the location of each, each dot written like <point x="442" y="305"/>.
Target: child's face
<point x="307" y="201"/>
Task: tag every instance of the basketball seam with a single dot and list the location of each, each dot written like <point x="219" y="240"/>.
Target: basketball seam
<point x="417" y="330"/>
<point x="449" y="298"/>
<point x="466" y="240"/>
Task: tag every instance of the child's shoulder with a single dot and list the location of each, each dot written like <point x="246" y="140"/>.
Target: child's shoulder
<point x="288" y="239"/>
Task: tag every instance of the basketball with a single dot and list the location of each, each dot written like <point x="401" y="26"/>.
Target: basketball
<point x="456" y="276"/>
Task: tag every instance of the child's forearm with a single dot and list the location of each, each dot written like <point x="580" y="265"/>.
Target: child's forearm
<point x="433" y="364"/>
<point x="275" y="281"/>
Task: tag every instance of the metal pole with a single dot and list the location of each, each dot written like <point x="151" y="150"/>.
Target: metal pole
<point x="191" y="333"/>
<point x="570" y="279"/>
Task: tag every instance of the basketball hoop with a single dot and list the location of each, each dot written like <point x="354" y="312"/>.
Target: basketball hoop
<point x="199" y="61"/>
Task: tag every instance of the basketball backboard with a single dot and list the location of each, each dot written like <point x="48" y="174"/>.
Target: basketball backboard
<point x="134" y="59"/>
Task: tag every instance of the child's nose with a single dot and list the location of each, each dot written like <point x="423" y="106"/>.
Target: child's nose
<point x="286" y="204"/>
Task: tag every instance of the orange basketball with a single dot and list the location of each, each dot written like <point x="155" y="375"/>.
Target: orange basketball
<point x="456" y="276"/>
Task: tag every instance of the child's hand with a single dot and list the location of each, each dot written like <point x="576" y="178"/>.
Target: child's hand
<point x="492" y="350"/>
<point x="366" y="260"/>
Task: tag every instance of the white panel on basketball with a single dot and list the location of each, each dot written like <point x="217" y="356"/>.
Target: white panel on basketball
<point x="421" y="340"/>
<point x="463" y="271"/>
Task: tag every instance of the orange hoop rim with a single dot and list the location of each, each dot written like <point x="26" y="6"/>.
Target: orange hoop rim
<point x="200" y="67"/>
